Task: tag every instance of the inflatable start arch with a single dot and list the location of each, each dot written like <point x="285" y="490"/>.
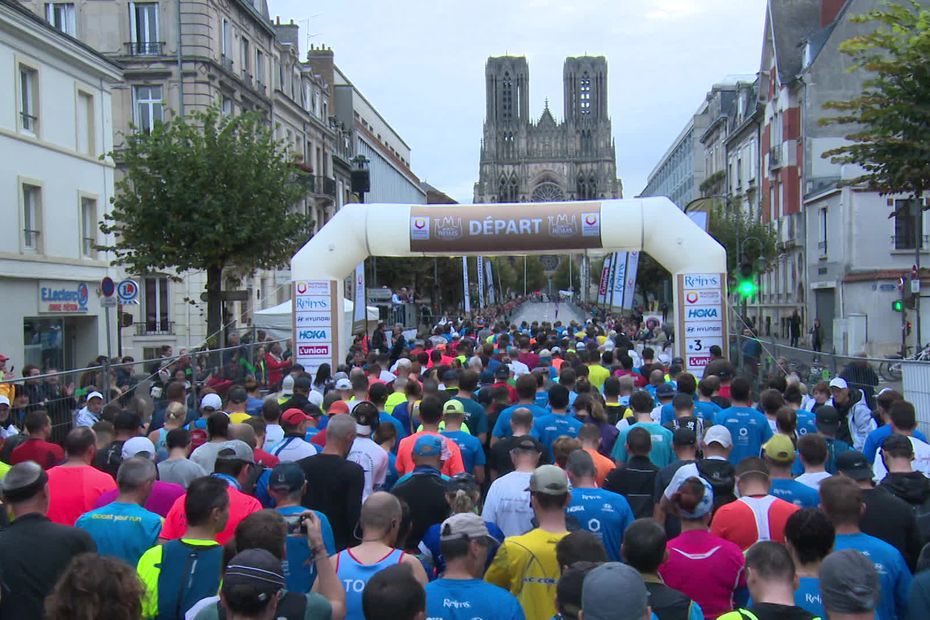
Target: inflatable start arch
<point x="653" y="225"/>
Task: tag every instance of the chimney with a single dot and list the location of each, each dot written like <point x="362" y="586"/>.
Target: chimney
<point x="288" y="34"/>
<point x="829" y="9"/>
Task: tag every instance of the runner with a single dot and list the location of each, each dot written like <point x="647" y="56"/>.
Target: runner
<point x="605" y="514"/>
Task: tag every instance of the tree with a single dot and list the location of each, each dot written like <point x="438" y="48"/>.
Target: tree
<point x="207" y="192"/>
<point x="733" y="227"/>
<point x="889" y="119"/>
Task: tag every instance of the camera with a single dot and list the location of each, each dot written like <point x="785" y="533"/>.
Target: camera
<point x="296" y="525"/>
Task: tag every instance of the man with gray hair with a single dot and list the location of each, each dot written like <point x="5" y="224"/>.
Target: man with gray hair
<point x="123" y="528"/>
<point x="334" y="484"/>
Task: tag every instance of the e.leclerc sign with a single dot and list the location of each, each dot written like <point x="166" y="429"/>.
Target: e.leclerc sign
<point x="62" y="297"/>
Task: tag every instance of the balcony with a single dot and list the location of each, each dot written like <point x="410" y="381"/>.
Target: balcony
<point x="907" y="242"/>
<point x="246" y="77"/>
<point x="320" y="185"/>
<point x="775" y="157"/>
<point x="145" y="48"/>
<point x="155" y="328"/>
<point x="227" y="62"/>
<point x="260" y="86"/>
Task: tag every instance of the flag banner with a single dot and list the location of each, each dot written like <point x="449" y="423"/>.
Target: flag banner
<point x="605" y="279"/>
<point x="492" y="297"/>
<point x="631" y="268"/>
<point x="359" y="315"/>
<point x="465" y="284"/>
<point x="480" y="278"/>
<point x="618" y="282"/>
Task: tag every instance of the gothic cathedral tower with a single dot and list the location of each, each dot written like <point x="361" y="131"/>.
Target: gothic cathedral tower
<point x="544" y="160"/>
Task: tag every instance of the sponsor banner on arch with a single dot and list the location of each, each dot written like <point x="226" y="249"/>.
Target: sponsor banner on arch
<point x="505" y="228"/>
<point x="701" y="318"/>
<point x="314" y="330"/>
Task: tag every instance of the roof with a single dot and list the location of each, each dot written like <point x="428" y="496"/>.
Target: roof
<point x="791" y="23"/>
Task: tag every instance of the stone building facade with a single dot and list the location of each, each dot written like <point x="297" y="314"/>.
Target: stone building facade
<point x="530" y="160"/>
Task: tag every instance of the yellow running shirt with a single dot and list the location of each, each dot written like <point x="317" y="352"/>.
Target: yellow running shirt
<point x="526" y="566"/>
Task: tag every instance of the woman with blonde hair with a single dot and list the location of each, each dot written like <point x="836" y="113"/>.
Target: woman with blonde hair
<point x="175" y="416"/>
<point x="463" y="495"/>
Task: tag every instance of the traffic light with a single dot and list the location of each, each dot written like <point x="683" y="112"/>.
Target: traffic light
<point x="746" y="285"/>
<point x="897" y="305"/>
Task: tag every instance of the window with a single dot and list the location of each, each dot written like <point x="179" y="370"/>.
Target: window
<point x="28" y="98"/>
<point x="507" y="98"/>
<point x="32" y="217"/>
<point x="85" y="123"/>
<point x="147" y="107"/>
<point x="61" y="16"/>
<point x="227" y="106"/>
<point x="143" y="28"/>
<point x="246" y="61"/>
<point x="226" y="38"/>
<point x="260" y="68"/>
<point x="156" y="305"/>
<point x="907" y="224"/>
<point x="822" y="241"/>
<point x="585" y="94"/>
<point x="88" y="227"/>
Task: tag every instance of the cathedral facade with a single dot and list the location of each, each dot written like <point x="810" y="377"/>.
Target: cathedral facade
<point x="544" y="160"/>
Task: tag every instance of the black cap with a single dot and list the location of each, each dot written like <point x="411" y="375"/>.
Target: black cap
<point x="827" y="415"/>
<point x="502" y="372"/>
<point x="302" y="383"/>
<point x="853" y="464"/>
<point x="527" y="444"/>
<point x="684" y="436"/>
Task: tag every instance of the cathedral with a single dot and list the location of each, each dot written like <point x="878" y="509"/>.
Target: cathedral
<point x="526" y="160"/>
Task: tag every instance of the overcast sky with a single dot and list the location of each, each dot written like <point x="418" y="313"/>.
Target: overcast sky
<point x="421" y="64"/>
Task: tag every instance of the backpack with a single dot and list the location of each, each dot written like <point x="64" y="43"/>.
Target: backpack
<point x="722" y="478"/>
<point x="110" y="458"/>
<point x="187" y="574"/>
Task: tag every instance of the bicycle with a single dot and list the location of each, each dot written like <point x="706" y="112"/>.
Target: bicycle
<point x="891" y="368"/>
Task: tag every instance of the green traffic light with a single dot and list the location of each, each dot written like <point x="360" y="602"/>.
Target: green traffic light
<point x="746" y="288"/>
<point x="897" y="305"/>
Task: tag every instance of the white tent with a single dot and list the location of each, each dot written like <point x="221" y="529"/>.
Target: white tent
<point x="278" y="320"/>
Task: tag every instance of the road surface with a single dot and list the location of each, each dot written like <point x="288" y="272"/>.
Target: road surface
<point x="540" y="312"/>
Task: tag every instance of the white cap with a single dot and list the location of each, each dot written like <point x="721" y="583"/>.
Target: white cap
<point x="211" y="400"/>
<point x="4" y="401"/>
<point x="315" y="398"/>
<point x="343" y="384"/>
<point x="609" y="345"/>
<point x="839" y="382"/>
<point x="134" y="446"/>
<point x="545" y="353"/>
<point x="556" y="350"/>
<point x="287" y="385"/>
<point x="95" y="395"/>
<point x="719" y="434"/>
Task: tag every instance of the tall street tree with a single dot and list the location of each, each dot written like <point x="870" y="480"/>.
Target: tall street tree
<point x="889" y="120"/>
<point x="207" y="192"/>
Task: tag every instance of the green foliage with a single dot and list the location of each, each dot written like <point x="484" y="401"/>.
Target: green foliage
<point x="206" y="192"/>
<point x="732" y="226"/>
<point x="650" y="276"/>
<point x="890" y="119"/>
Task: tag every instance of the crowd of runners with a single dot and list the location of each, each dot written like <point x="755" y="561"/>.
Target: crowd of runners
<point x="484" y="471"/>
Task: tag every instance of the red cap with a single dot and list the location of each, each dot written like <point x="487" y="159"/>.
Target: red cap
<point x="294" y="416"/>
<point x="3" y="357"/>
<point x="340" y="406"/>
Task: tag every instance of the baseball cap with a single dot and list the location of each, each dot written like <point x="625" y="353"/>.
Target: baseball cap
<point x="294" y="416"/>
<point x="4" y="401"/>
<point x="339" y="406"/>
<point x="343" y="384"/>
<point x="254" y="574"/>
<point x="23" y="481"/>
<point x="849" y="583"/>
<point x="287" y="385"/>
<point x="839" y="382"/>
<point x="464" y="525"/>
<point x="138" y="445"/>
<point x="236" y="450"/>
<point x="853" y="464"/>
<point x="556" y="350"/>
<point x="703" y="507"/>
<point x="527" y="444"/>
<point x="315" y="398"/>
<point x="827" y="416"/>
<point x="3" y="357"/>
<point x="213" y="401"/>
<point x="287" y="476"/>
<point x="95" y="395"/>
<point x="428" y="445"/>
<point x="545" y="353"/>
<point x="600" y="589"/>
<point x="719" y="434"/>
<point x="454" y="406"/>
<point x="779" y="449"/>
<point x="684" y="436"/>
<point x="502" y="372"/>
<point x="486" y="377"/>
<point x="666" y="390"/>
<point x="549" y="480"/>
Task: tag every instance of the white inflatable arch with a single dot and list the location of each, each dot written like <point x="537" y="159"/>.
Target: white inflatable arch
<point x="653" y="225"/>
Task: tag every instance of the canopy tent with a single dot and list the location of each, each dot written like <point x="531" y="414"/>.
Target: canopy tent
<point x="279" y="323"/>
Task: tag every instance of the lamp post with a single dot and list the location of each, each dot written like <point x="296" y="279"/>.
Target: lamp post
<point x="361" y="185"/>
<point x="753" y="287"/>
